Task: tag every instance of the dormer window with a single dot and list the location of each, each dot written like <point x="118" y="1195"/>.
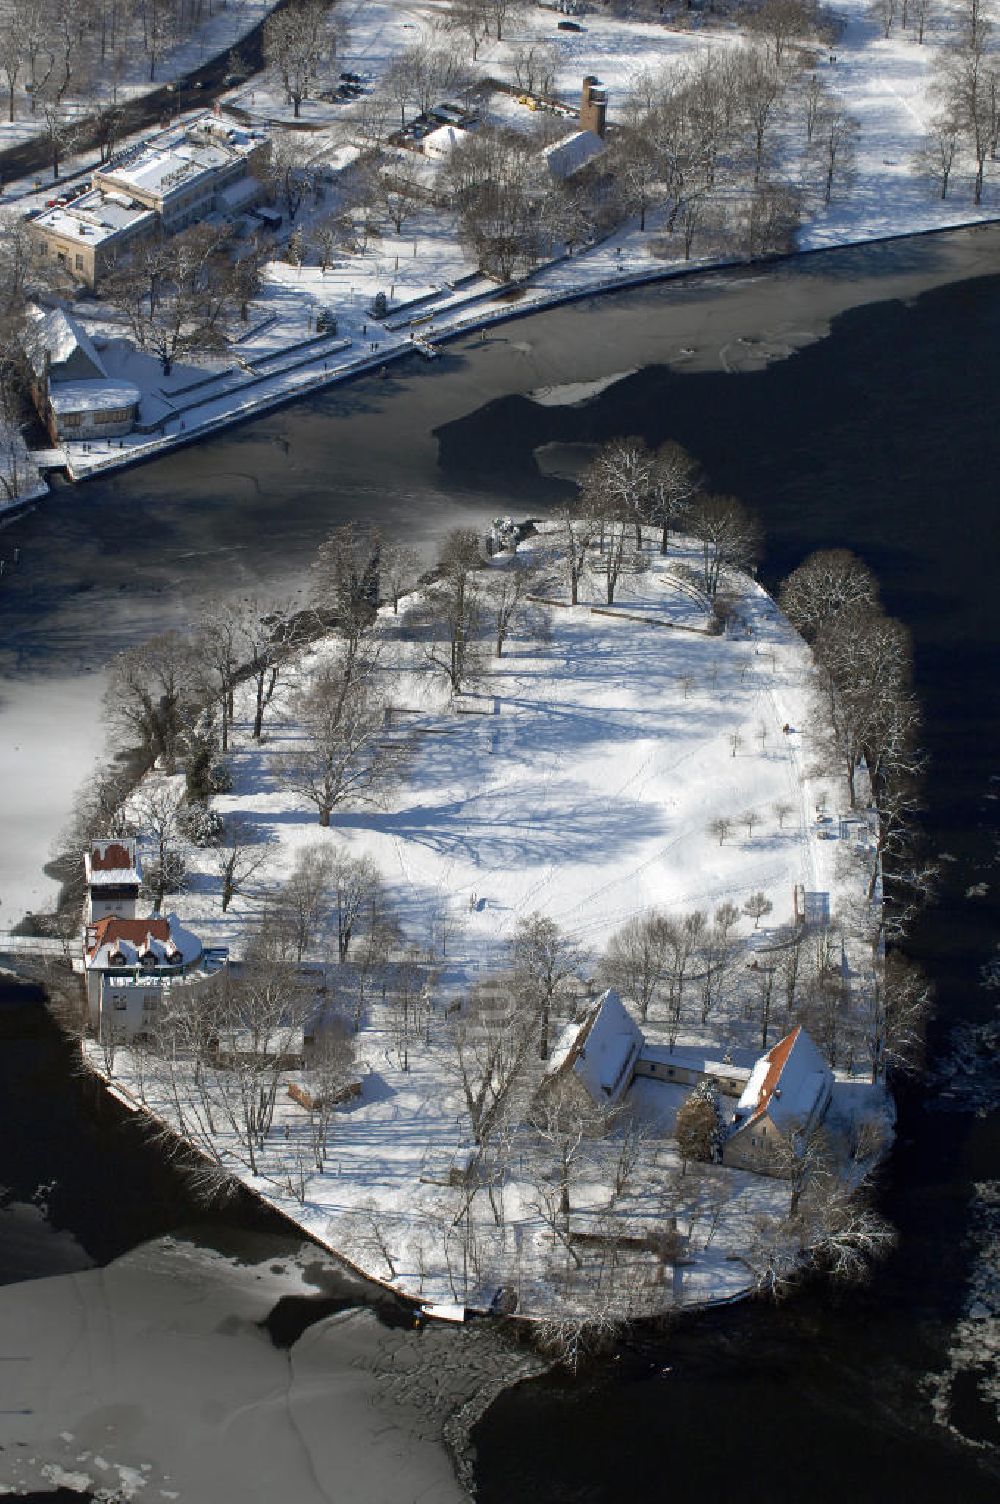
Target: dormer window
<point x="115" y="958"/>
<point x="147" y="958"/>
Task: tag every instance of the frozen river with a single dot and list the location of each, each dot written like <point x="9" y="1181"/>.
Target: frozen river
<point x="851" y="398"/>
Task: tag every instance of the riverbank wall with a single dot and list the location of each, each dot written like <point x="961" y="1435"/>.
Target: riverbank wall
<point x="457" y="324"/>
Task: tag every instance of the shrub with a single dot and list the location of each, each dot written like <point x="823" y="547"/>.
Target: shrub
<point x="200" y="824"/>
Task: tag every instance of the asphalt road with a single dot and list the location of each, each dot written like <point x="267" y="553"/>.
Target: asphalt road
<point x="203" y="85"/>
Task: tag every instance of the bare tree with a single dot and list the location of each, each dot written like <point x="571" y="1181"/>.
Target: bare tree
<point x="895" y="1006"/>
<point x="730" y="537"/>
<point x="684" y="937"/>
<point x="492" y="1042"/>
<point x="716" y="952"/>
<point x="673" y="482"/>
<point x="356" y="891"/>
<point x="471" y="19"/>
<point x="244" y="850"/>
<point x="576" y="530"/>
<point x="293" y="167"/>
<point x="174" y="294"/>
<point x="506" y="596"/>
<point x="491" y="177"/>
<point x="299" y="46"/>
<point x="544" y="960"/>
<point x="150" y="696"/>
<point x="455" y="605"/>
<point x="825" y="583"/>
<point x="266" y="637"/>
<point x="340" y="756"/>
<point x="922" y="10"/>
<point x="330" y="1074"/>
<point x="398" y="569"/>
<point x="637" y="958"/>
<point x="779" y="21"/>
<point x="833" y="142"/>
<point x="970" y="90"/>
<point x="756" y="907"/>
<point x="761" y="90"/>
<point x="936" y="156"/>
<point x="616" y="484"/>
<point x="885" y="12"/>
<point x="164" y="870"/>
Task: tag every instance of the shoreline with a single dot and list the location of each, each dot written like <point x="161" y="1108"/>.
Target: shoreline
<point x="419" y="1309"/>
<point x="432" y="340"/>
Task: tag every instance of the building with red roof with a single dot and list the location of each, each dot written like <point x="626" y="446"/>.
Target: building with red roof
<point x="114" y="879"/>
<point x="785" y="1098"/>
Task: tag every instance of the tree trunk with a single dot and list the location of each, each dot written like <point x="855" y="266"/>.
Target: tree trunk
<point x="324" y="815"/>
<point x="258" y="716"/>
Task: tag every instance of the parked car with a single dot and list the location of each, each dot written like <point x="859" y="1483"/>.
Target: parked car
<point x="569" y="26"/>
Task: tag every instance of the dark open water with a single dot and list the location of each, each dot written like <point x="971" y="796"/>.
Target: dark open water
<point x="881" y="433"/>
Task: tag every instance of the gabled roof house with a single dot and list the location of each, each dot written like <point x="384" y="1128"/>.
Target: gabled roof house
<point x="785" y="1098"/>
<point x="595" y="1058"/>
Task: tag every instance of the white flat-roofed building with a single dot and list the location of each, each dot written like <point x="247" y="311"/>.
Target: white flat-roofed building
<point x="84" y="236"/>
<point x="170" y="181"/>
<point x="92" y="409"/>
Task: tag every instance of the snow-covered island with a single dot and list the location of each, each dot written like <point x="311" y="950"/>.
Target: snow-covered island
<point x="570" y="1002"/>
<point x="339" y="209"/>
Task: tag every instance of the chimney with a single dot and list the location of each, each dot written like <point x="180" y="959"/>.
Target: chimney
<point x="593" y="106"/>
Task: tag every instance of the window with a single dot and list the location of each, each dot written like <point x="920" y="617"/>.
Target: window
<point x="43" y="248"/>
<point x="113" y="415"/>
<point x="71" y="420"/>
<point x="79" y="262"/>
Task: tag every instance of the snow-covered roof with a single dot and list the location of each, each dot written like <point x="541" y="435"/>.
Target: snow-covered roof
<point x="94" y="217"/>
<point x="109" y="863"/>
<point x="601" y="1051"/>
<point x="54" y="331"/>
<point x="736" y="1064"/>
<point x="787" y="1083"/>
<point x="442" y="142"/>
<point x="178" y="156"/>
<point x="570" y="153"/>
<point x="159" y="940"/>
<point x="235" y="195"/>
<point x="92" y="396"/>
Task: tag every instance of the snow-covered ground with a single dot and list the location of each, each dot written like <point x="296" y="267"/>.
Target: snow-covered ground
<point x="584" y="789"/>
<point x="884" y="85"/>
